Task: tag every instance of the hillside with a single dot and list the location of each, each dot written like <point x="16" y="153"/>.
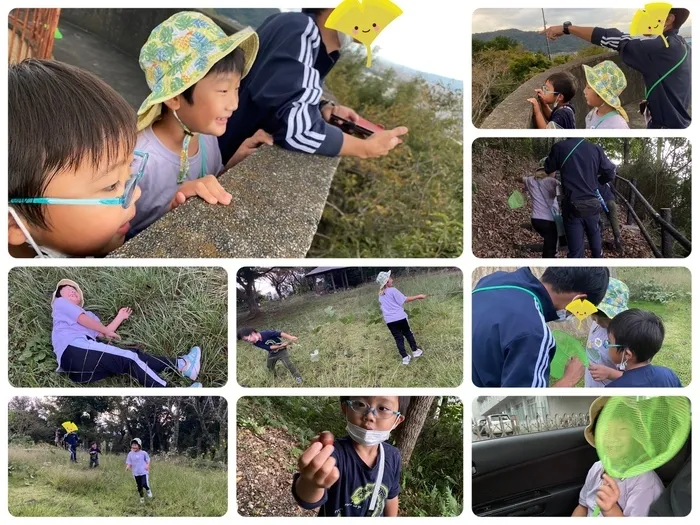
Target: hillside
<point x="407" y="73"/>
<point x="535" y="42"/>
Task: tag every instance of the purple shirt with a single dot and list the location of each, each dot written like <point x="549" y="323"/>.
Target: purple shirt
<point x="636" y="494"/>
<point x="391" y="304"/>
<point x="159" y="183"/>
<point x="65" y="325"/>
<point x="138" y="461"/>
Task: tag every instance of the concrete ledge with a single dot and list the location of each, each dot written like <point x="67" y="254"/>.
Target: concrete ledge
<point x="515" y="112"/>
<point x="278" y="200"/>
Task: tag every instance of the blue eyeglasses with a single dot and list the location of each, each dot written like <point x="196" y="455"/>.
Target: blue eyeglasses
<point x="607" y="344"/>
<point x="362" y="407"/>
<point x="140" y="160"/>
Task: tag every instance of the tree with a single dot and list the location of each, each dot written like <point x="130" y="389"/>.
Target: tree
<point x="246" y="278"/>
<point x="409" y="431"/>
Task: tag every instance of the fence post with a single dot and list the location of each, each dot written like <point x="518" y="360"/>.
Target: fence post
<point x="633" y="200"/>
<point x="666" y="239"/>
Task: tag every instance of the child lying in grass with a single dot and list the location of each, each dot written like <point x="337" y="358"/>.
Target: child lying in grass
<point x="85" y="360"/>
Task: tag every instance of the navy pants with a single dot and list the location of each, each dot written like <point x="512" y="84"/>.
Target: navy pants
<point x="74" y="453"/>
<point x="576" y="228"/>
<point x="142" y="483"/>
<point x="401" y="329"/>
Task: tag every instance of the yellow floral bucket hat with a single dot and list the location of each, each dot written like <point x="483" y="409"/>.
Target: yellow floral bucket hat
<point x="608" y="81"/>
<point x="178" y="54"/>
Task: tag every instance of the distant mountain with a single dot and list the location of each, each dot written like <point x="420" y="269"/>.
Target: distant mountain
<point x="252" y="17"/>
<point x="534" y="42"/>
<point x="407" y="73"/>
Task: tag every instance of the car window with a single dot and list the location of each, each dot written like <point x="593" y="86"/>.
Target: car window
<point x="503" y="416"/>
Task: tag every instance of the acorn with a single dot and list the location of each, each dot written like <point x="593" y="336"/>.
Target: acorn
<point x="326" y="438"/>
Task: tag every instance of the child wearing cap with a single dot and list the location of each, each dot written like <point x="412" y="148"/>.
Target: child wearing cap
<point x="605" y="82"/>
<point x="72" y="171"/>
<point x="193" y="69"/>
<point x="85" y="360"/>
<point x="139" y="462"/>
<point x="601" y="369"/>
<point x="391" y="302"/>
<point x="615" y="497"/>
<point x="635" y="338"/>
<point x="544" y="191"/>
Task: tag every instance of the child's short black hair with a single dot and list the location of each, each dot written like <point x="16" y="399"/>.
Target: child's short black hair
<point x="245" y="332"/>
<point x="313" y="10"/>
<point x="640" y="331"/>
<point x="585" y="280"/>
<point x="680" y="16"/>
<point x="404" y="402"/>
<point x="564" y="84"/>
<point x="59" y="117"/>
<point x="231" y="63"/>
<point x="94" y="443"/>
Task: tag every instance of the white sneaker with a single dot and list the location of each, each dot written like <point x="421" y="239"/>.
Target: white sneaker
<point x="142" y="500"/>
<point x="417" y="353"/>
<point x="149" y="494"/>
<point x="406" y="360"/>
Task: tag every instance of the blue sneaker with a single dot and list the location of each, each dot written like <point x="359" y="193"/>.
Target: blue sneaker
<point x="193" y="385"/>
<point x="192" y="363"/>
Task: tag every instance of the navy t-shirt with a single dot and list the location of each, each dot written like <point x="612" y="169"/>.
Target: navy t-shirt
<point x="648" y="376"/>
<point x="351" y="494"/>
<point x="269" y="338"/>
<point x="564" y="117"/>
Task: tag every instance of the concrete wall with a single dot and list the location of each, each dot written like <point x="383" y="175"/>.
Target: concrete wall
<point x="128" y="29"/>
<point x="515" y="112"/>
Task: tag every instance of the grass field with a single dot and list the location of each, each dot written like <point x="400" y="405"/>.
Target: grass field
<point x="42" y="483"/>
<point x="174" y="309"/>
<point x="355" y="347"/>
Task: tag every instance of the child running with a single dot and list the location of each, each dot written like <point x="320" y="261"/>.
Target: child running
<point x="72" y="170"/>
<point x="94" y="455"/>
<point x="194" y="70"/>
<point x="605" y="82"/>
<point x="139" y="462"/>
<point x="358" y="475"/>
<point x="616" y="497"/>
<point x="601" y="369"/>
<point x="391" y="302"/>
<point x="635" y="338"/>
<point x="551" y="106"/>
<point x="271" y="341"/>
<point x="85" y="360"/>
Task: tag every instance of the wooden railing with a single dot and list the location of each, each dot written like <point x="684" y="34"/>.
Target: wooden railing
<point x="31" y="33"/>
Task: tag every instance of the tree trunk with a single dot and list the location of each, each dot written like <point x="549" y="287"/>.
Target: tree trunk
<point x="626" y="151"/>
<point x="251" y="298"/>
<point x="176" y="422"/>
<point x="411" y="428"/>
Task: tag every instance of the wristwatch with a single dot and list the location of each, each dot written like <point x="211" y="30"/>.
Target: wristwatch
<point x="566" y="28"/>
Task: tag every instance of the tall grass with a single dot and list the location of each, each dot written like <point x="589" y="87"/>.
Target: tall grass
<point x="42" y="482"/>
<point x="174" y="309"/>
<point x="355" y="347"/>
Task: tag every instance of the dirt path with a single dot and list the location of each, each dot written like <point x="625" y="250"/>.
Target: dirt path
<point x="263" y="480"/>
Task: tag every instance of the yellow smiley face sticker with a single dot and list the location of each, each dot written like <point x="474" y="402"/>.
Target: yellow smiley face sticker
<point x="363" y="20"/>
<point x="581" y="308"/>
<point x="650" y="21"/>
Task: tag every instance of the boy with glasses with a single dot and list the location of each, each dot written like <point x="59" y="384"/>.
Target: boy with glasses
<point x="72" y="172"/>
<point x="360" y="474"/>
<point x="551" y="106"/>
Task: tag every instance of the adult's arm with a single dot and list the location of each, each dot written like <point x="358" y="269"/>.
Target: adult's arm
<point x="606" y="169"/>
<point x="526" y="360"/>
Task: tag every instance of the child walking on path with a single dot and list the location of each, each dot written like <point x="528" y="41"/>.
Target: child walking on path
<point x="601" y="369"/>
<point x="74" y="338"/>
<point x="391" y="302"/>
<point x="139" y="462"/>
<point x="543" y="191"/>
<point x="94" y="455"/>
<point x="271" y="341"/>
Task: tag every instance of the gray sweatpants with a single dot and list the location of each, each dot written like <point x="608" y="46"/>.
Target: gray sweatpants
<point x="281" y="355"/>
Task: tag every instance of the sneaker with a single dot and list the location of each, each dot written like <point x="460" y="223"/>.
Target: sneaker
<point x="142" y="500"/>
<point x="299" y="379"/>
<point x="196" y="385"/>
<point x="149" y="494"/>
<point x="192" y="363"/>
<point x="417" y="353"/>
<point x="406" y="360"/>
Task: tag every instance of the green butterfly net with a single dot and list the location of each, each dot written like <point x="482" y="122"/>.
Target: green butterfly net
<point x="516" y="200"/>
<point x="567" y="346"/>
<point x="635" y="436"/>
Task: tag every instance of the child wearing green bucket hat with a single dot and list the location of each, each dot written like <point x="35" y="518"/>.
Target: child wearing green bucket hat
<point x="193" y="70"/>
<point x="605" y="82"/>
<point x="601" y="369"/>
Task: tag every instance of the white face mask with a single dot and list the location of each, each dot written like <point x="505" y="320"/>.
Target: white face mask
<point x="41" y="251"/>
<point x="368" y="438"/>
<point x="563" y="315"/>
<point x="623" y="365"/>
